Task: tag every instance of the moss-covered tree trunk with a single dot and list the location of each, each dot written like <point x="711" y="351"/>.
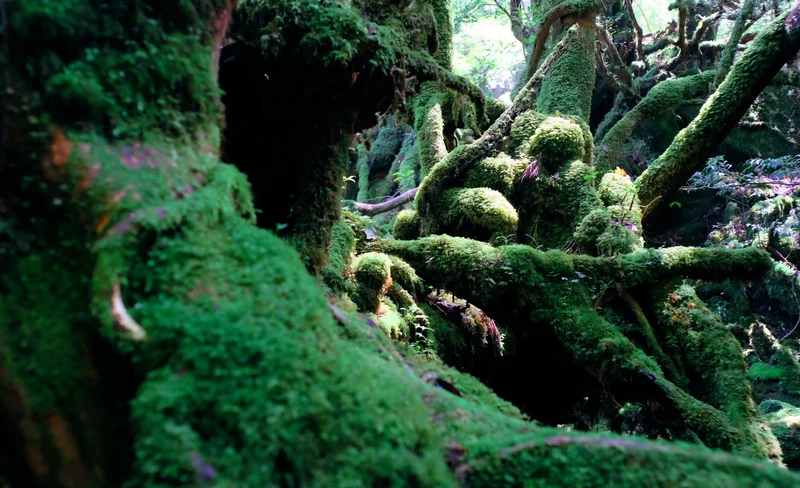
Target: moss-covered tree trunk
<point x="151" y="334"/>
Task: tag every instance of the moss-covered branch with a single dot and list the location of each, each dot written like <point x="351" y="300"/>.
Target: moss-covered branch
<point x="775" y="44"/>
<point x="729" y="53"/>
<point x="667" y="95"/>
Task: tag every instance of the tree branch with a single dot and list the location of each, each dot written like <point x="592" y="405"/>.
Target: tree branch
<point x="729" y="53"/>
<point x="777" y="43"/>
<point x="637" y="28"/>
<point x="370" y="210"/>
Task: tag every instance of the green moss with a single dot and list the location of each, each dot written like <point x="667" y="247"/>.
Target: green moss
<point x="363" y="173"/>
<point x="406" y="225"/>
<point x="44" y="328"/>
<point x="569" y="84"/>
<point x="551" y="209"/>
<point x="784" y="420"/>
<point x="429" y="126"/>
<point x="494" y="109"/>
<point x="764" y="372"/>
<point x="696" y="143"/>
<point x="522" y="129"/>
<point x="380" y="189"/>
<point x="470" y="208"/>
<point x="404" y="275"/>
<point x="713" y="363"/>
<point x="340" y="254"/>
<point x="498" y="173"/>
<point x="558" y="140"/>
<point x="373" y="275"/>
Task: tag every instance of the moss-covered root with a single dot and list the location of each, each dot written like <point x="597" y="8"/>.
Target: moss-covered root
<point x="667" y="95"/>
<point x="778" y="42"/>
<point x="482" y="274"/>
<point x="713" y="364"/>
<point x="595" y="461"/>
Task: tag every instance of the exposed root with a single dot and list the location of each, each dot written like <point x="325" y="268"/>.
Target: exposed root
<point x="122" y="318"/>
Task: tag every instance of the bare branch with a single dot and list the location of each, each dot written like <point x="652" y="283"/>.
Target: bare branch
<point x="370" y="210"/>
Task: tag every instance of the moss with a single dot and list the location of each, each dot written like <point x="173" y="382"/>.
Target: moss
<point x="784" y="420"/>
<point x="470" y="388"/>
<point x="522" y="129"/>
<point x="494" y="109"/>
<point x="551" y="209"/>
<point x="340" y="254"/>
<point x="498" y="173"/>
<point x="363" y="173"/>
<point x="569" y="84"/>
<point x="380" y="189"/>
<point x="707" y="345"/>
<point x="406" y="225"/>
<point x="404" y="275"/>
<point x="776" y="364"/>
<point x="470" y="208"/>
<point x="763" y="371"/>
<point x="558" y="140"/>
<point x="443" y="17"/>
<point x="430" y="137"/>
<point x="373" y="275"/>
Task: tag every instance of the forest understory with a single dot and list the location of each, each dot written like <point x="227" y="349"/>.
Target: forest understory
<point x="282" y="243"/>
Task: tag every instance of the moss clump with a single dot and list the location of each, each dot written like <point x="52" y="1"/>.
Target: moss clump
<point x="558" y="140"/>
<point x="373" y="274"/>
<point x="406" y="225"/>
<point x="522" y="129"/>
<point x="479" y="209"/>
<point x="498" y="173"/>
<point x="404" y="275"/>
